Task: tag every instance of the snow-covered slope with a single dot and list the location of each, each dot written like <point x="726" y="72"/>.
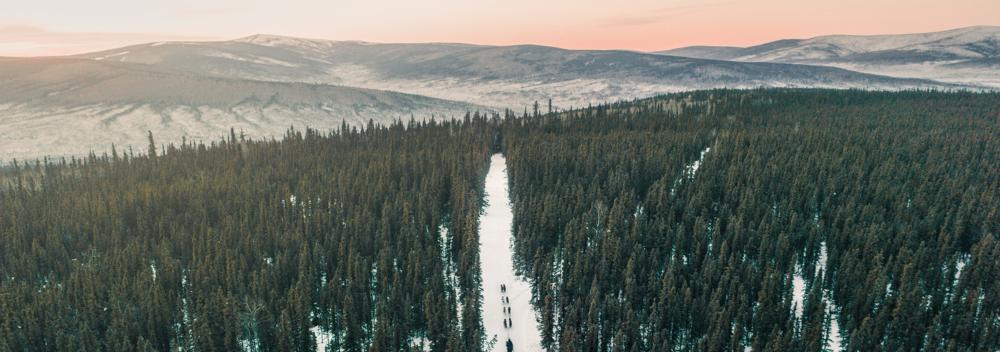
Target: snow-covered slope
<point x="63" y="106"/>
<point x="264" y="84"/>
<point x="966" y="55"/>
<point x="499" y="76"/>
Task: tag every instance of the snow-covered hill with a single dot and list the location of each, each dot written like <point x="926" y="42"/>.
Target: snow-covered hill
<point x="263" y="84"/>
<point x="966" y="56"/>
<point x="498" y="76"/>
<point x="63" y="106"/>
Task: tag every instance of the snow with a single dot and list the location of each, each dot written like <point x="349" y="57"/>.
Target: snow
<point x="693" y="168"/>
<point x="960" y="264"/>
<point x="825" y="47"/>
<point x="833" y="334"/>
<point x="798" y="293"/>
<point x="421" y="343"/>
<point x="834" y="342"/>
<point x="496" y="255"/>
<point x="30" y="131"/>
<point x="284" y="41"/>
<point x="979" y="305"/>
<point x="322" y="337"/>
<point x="690" y="170"/>
<point x="123" y="53"/>
<point x="955" y="37"/>
<point x="837" y="51"/>
<point x="450" y="269"/>
<point x="942" y="71"/>
<point x="252" y="59"/>
<point x="821" y="261"/>
<point x="514" y="93"/>
<point x="93" y="106"/>
<point x="247" y="345"/>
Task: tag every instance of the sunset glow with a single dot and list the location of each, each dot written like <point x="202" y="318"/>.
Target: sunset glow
<point x="58" y="27"/>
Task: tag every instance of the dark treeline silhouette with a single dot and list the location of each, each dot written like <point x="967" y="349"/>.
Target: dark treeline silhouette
<point x="368" y="235"/>
<point x="682" y="222"/>
<point x="632" y="247"/>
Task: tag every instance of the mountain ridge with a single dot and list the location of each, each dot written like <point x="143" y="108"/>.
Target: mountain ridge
<point x="263" y="84"/>
<point x="931" y="55"/>
<point x="511" y="76"/>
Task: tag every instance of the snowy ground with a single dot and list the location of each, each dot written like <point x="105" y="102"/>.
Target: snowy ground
<point x="833" y="334"/>
<point x="689" y="172"/>
<point x="496" y="254"/>
<point x="322" y="338"/>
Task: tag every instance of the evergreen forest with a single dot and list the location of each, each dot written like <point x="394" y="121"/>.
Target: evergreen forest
<point x="719" y="220"/>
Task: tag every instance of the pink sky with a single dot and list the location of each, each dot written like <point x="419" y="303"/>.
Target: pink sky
<point x="58" y="27"/>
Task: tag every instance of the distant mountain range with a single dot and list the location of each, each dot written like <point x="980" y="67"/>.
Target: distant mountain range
<point x="498" y="76"/>
<point x="264" y="84"/>
<point x="966" y="56"/>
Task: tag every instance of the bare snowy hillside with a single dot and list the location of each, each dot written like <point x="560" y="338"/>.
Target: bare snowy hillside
<point x="61" y="106"/>
<point x="263" y="84"/>
<point x="499" y="76"/>
<point x="966" y="56"/>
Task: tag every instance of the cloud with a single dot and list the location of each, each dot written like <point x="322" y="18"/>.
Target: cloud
<point x="26" y="40"/>
<point x="657" y="15"/>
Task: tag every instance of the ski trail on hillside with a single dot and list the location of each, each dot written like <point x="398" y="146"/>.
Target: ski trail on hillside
<point x="496" y="260"/>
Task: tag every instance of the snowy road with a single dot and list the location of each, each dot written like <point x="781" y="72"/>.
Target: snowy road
<point x="495" y="241"/>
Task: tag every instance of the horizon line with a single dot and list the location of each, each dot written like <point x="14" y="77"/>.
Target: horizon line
<point x="210" y="39"/>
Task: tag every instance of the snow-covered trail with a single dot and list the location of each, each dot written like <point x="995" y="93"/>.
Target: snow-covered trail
<point x="496" y="256"/>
